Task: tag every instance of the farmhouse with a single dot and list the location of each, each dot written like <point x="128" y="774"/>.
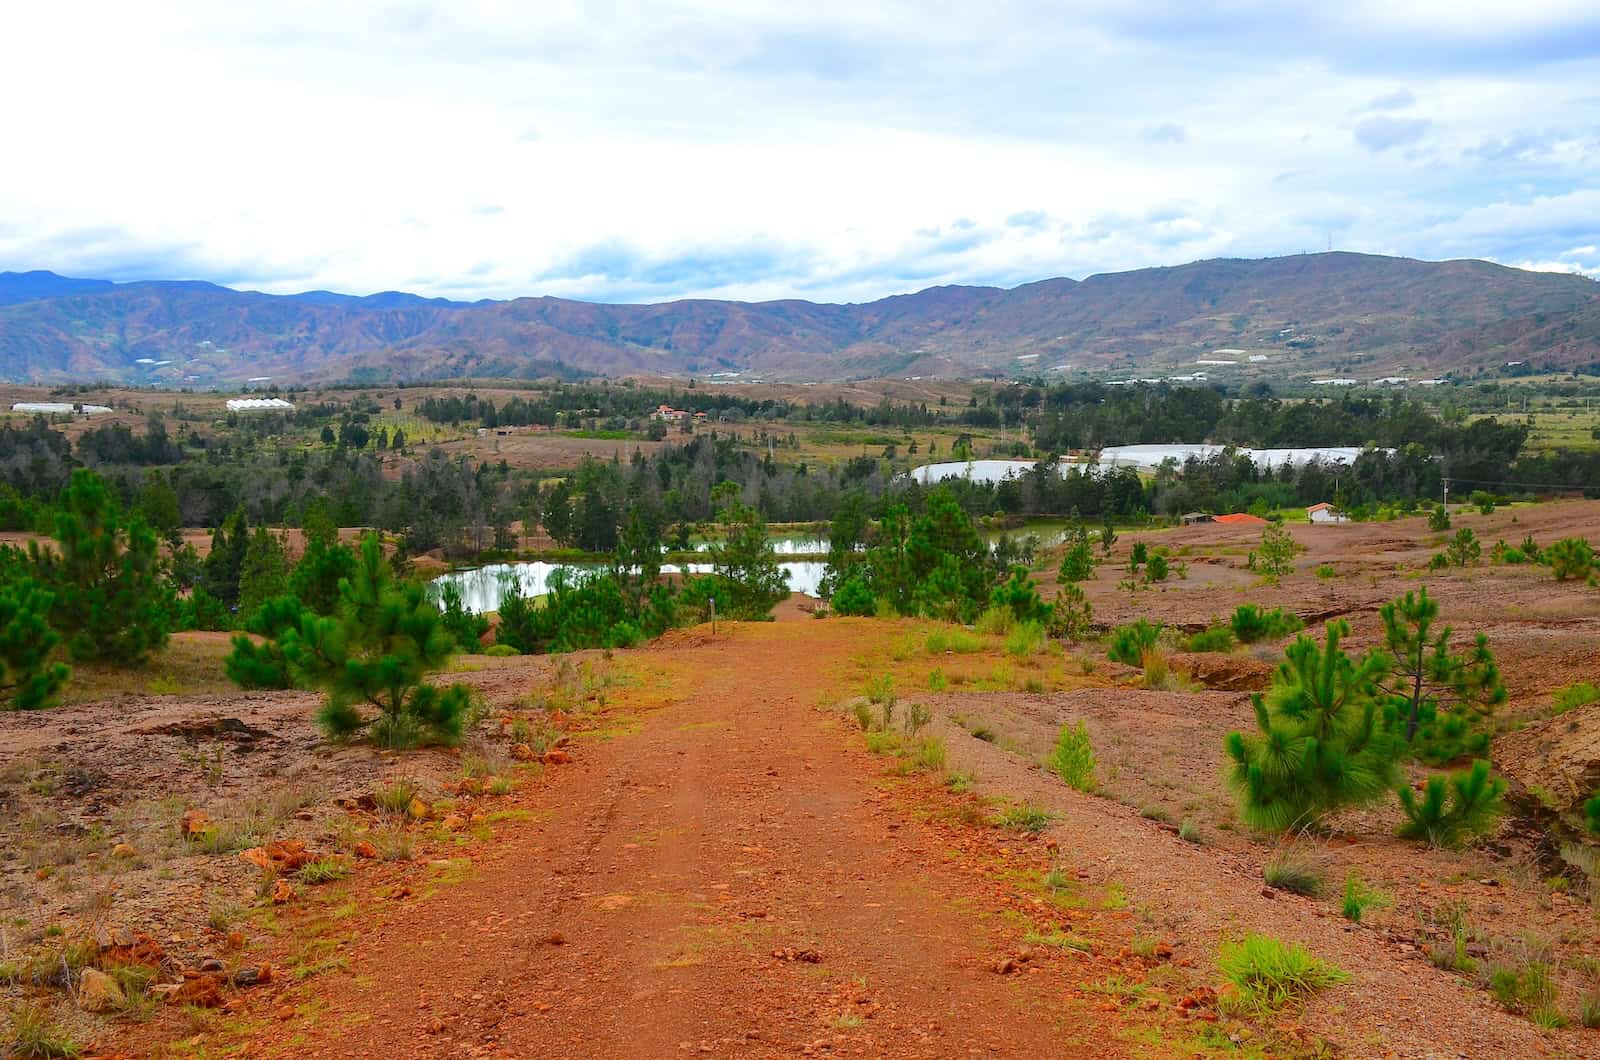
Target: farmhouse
<point x="668" y="414"/>
<point x="1325" y="513"/>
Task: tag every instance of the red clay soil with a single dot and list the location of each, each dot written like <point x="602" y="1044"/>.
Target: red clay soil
<point x="734" y="879"/>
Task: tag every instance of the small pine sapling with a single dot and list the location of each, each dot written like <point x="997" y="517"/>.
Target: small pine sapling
<point x="28" y="679"/>
<point x="1455" y="810"/>
<point x="1129" y="643"/>
<point x="1322" y="741"/>
<point x="1443" y="697"/>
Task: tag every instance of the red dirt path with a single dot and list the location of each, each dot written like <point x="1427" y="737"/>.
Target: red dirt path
<point x="640" y="917"/>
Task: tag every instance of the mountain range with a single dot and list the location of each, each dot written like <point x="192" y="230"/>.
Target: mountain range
<point x="1291" y="317"/>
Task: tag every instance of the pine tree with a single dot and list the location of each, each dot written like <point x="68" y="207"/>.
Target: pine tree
<point x="263" y="573"/>
<point x="1323" y="741"/>
<point x="375" y="653"/>
<point x="220" y="571"/>
<point x="28" y="679"/>
<point x="111" y="600"/>
<point x="261" y="663"/>
<point x="745" y="562"/>
<point x="1441" y="697"/>
<point x="323" y="566"/>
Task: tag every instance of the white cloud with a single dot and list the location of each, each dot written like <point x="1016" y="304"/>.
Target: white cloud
<point x="760" y="149"/>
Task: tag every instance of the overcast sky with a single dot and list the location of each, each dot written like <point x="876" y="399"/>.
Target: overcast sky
<point x="823" y="150"/>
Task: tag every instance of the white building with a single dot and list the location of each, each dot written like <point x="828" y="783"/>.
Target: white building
<point x="259" y="405"/>
<point x="1325" y="513"/>
<point x="59" y="408"/>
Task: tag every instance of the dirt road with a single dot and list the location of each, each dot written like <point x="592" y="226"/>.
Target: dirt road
<point x="731" y="878"/>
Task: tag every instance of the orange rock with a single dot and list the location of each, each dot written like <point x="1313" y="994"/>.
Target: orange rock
<point x="365" y="849"/>
<point x="256" y="856"/>
<point x="235" y="940"/>
<point x="282" y="891"/>
<point x="522" y="752"/>
<point x="193" y="823"/>
<point x="556" y="757"/>
<point x="124" y="850"/>
<point x="417" y="808"/>
<point x="454" y="822"/>
<point x="203" y="991"/>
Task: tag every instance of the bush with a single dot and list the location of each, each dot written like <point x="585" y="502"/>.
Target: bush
<point x="1573" y="696"/>
<point x="1358" y="898"/>
<point x="951" y="639"/>
<point x="1571" y="557"/>
<point x="996" y="621"/>
<point x="1439" y="519"/>
<point x="1218" y="638"/>
<point x="1073" y="757"/>
<point x="853" y="597"/>
<point x="500" y="651"/>
<point x="1026" y="639"/>
<point x="1129" y="643"/>
<point x="1290" y="870"/>
<point x="1077" y="564"/>
<point x="1250" y="623"/>
<point x="1156" y="569"/>
<point x="1454" y="810"/>
<point x="1267" y="974"/>
<point x="1322" y="743"/>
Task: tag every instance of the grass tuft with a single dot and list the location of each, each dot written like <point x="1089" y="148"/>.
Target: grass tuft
<point x="1267" y="973"/>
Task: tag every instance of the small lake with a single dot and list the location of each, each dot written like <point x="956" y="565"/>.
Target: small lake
<point x="483" y="588"/>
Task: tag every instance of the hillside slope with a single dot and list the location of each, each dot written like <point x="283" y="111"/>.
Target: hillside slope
<point x="1313" y="313"/>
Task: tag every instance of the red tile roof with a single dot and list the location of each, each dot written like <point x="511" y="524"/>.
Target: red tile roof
<point x="1241" y="520"/>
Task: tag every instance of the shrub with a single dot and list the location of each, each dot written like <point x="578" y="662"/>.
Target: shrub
<point x="928" y="756"/>
<point x="1073" y="757"/>
<point x="500" y="651"/>
<point x="1322" y="742"/>
<point x="1250" y="623"/>
<point x="1290" y="870"/>
<point x="1130" y="642"/>
<point x="1218" y="638"/>
<point x="1025" y="818"/>
<point x="1267" y="974"/>
<point x="1326" y="571"/>
<point x="996" y="621"/>
<point x="1026" y="639"/>
<point x="937" y="681"/>
<point x="1439" y="519"/>
<point x="1573" y="696"/>
<point x="1591" y="812"/>
<point x="1358" y="898"/>
<point x="1138" y="556"/>
<point x="853" y="596"/>
<point x="950" y="639"/>
<point x="1571" y="557"/>
<point x="917" y="716"/>
<point x="1454" y="810"/>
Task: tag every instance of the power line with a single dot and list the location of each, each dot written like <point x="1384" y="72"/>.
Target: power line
<point x="1526" y="485"/>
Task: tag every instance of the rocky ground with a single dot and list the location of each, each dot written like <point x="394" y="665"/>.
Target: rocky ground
<point x="689" y="848"/>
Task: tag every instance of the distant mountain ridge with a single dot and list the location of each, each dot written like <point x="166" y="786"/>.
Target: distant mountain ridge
<point x="1356" y="314"/>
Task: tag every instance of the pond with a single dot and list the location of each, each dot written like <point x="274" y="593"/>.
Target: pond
<point x="483" y="588"/>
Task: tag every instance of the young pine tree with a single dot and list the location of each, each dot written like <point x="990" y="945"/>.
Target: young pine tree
<point x="28" y="679"/>
<point x="372" y="657"/>
<point x="746" y="564"/>
<point x="261" y="664"/>
<point x="264" y="572"/>
<point x="112" y="602"/>
<point x="1453" y="810"/>
<point x="1323" y="741"/>
<point x="1442" y="696"/>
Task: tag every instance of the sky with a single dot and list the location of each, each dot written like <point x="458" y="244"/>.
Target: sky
<point x="833" y="150"/>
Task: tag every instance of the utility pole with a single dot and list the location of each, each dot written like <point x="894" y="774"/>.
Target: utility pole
<point x="1447" y="494"/>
